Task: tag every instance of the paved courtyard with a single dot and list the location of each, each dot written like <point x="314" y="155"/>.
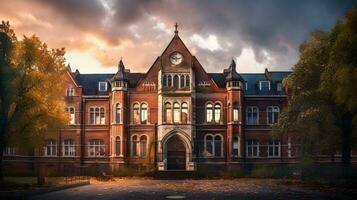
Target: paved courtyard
<point x="188" y="189"/>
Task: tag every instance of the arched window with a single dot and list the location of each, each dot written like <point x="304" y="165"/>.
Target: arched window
<point x="68" y="147"/>
<point x="176" y="81"/>
<point x="97" y="115"/>
<point x="72" y="117"/>
<point x="218" y="146"/>
<point x="70" y="92"/>
<point x="235" y="112"/>
<point x="252" y="115"/>
<point x="208" y="145"/>
<point x="176" y="112"/>
<point x="182" y="81"/>
<point x="143" y="145"/>
<point x="235" y="146"/>
<point x="117" y="146"/>
<point x="169" y="81"/>
<point x="51" y="148"/>
<point x="144" y="113"/>
<point x="168" y="113"/>
<point x="164" y="80"/>
<point x="209" y="112"/>
<point x="117" y="113"/>
<point x="102" y="116"/>
<point x="136" y="113"/>
<point x="135" y="146"/>
<point x="273" y="114"/>
<point x="217" y="112"/>
<point x="184" y="113"/>
<point x="187" y="81"/>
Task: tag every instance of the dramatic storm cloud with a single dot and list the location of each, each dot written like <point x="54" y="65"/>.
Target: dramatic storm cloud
<point x="96" y="33"/>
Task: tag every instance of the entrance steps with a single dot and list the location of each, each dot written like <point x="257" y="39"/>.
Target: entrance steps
<point x="175" y="174"/>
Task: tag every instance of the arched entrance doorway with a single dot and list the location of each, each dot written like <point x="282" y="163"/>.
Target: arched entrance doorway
<point x="176" y="153"/>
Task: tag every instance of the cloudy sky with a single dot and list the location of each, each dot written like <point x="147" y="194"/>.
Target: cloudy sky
<point x="97" y="33"/>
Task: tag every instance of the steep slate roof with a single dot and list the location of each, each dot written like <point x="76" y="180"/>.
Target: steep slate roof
<point x="89" y="82"/>
<point x="252" y="80"/>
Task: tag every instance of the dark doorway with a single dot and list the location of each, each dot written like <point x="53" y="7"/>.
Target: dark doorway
<point x="176" y="154"/>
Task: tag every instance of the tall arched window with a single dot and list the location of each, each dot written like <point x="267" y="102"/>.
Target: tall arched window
<point x="209" y="112"/>
<point x="143" y="145"/>
<point x="235" y="112"/>
<point x="164" y="80"/>
<point x="117" y="146"/>
<point x="182" y="81"/>
<point x="176" y="81"/>
<point x="272" y="114"/>
<point x="252" y="115"/>
<point x="218" y="146"/>
<point x="168" y="113"/>
<point x="117" y="113"/>
<point x="187" y="81"/>
<point x="169" y="81"/>
<point x="102" y="116"/>
<point x="176" y="112"/>
<point x="235" y="146"/>
<point x="135" y="145"/>
<point x="72" y="116"/>
<point x="136" y="113"/>
<point x="217" y="112"/>
<point x="208" y="145"/>
<point x="184" y="113"/>
<point x="144" y="113"/>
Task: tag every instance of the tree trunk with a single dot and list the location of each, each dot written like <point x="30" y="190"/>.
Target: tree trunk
<point x="346" y="139"/>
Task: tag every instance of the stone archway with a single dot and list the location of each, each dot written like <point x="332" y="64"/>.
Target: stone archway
<point x="176" y="153"/>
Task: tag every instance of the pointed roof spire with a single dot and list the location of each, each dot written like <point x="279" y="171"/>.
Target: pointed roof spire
<point x="176" y="31"/>
<point x="231" y="73"/>
<point x="120" y="75"/>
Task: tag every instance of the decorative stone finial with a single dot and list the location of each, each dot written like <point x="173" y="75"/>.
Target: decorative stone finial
<point x="176" y="31"/>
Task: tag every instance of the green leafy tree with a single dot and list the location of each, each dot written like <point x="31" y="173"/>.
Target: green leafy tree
<point x="31" y="91"/>
<point x="322" y="98"/>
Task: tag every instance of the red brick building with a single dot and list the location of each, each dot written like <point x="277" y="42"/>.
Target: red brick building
<point x="176" y="116"/>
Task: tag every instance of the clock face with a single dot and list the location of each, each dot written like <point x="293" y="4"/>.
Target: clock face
<point x="176" y="58"/>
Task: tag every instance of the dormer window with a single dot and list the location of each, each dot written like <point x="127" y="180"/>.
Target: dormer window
<point x="264" y="85"/>
<point x="102" y="86"/>
<point x="279" y="87"/>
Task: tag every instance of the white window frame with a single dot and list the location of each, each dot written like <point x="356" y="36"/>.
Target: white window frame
<point x="51" y="146"/>
<point x="274" y="145"/>
<point x="9" y="151"/>
<point x="235" y="114"/>
<point x="260" y="85"/>
<point x="274" y="109"/>
<point x="71" y="148"/>
<point x="250" y="143"/>
<point x="97" y="147"/>
<point x="72" y="116"/>
<point x="101" y="116"/>
<point x="105" y="86"/>
<point x="213" y="145"/>
<point x="238" y="146"/>
<point x="70" y="92"/>
<point x="251" y="109"/>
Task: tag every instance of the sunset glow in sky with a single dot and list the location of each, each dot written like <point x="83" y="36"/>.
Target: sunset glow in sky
<point x="97" y="33"/>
